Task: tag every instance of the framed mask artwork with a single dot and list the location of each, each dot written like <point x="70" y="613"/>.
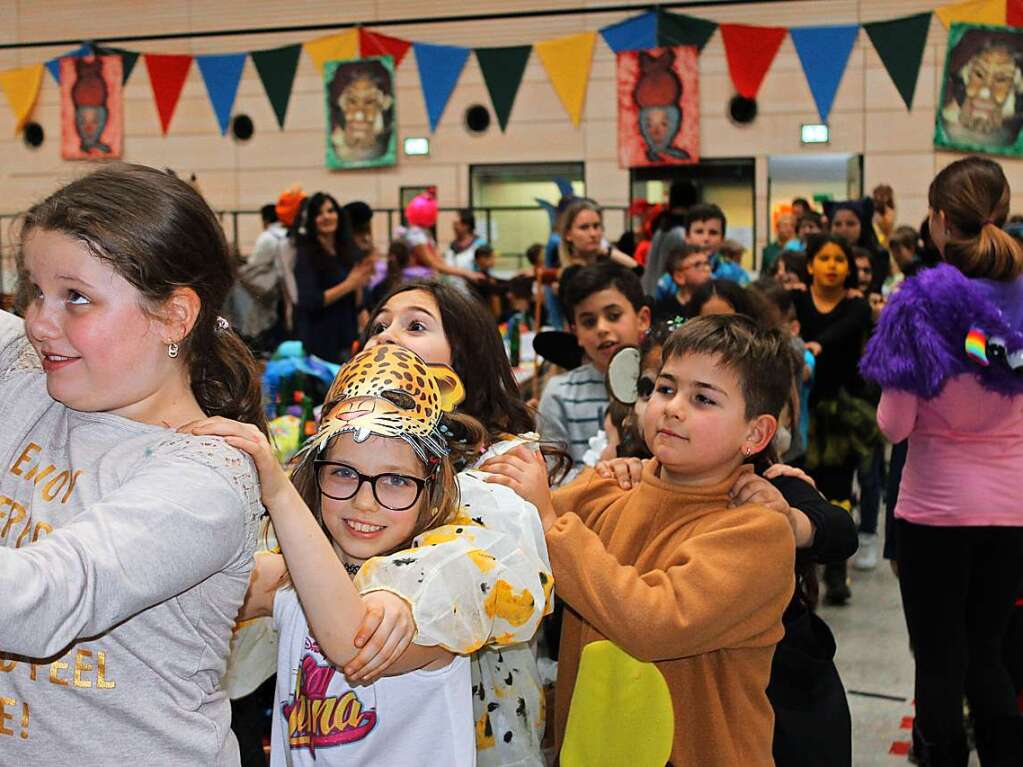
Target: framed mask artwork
<point x="91" y="108"/>
<point x="658" y="107"/>
<point x="361" y="115"/>
<point x="981" y="106"/>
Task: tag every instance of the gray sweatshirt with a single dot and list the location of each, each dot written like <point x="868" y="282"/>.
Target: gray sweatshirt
<point x="125" y="552"/>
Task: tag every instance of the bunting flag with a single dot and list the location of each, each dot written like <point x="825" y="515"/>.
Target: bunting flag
<point x="824" y="53"/>
<point x="750" y="51"/>
<point x="21" y="88"/>
<point x="222" y="75"/>
<point x="1014" y="13"/>
<point x="167" y="74"/>
<point x="679" y="29"/>
<point x="128" y="59"/>
<point x="53" y="65"/>
<point x="973" y="12"/>
<point x="439" y="69"/>
<point x="376" y="44"/>
<point x="340" y="47"/>
<point x="900" y="45"/>
<point x="276" y="69"/>
<point x="637" y="33"/>
<point x="502" y="72"/>
<point x="568" y="61"/>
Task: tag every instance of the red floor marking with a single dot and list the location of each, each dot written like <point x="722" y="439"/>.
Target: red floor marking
<point x="899" y="748"/>
<point x="907" y="723"/>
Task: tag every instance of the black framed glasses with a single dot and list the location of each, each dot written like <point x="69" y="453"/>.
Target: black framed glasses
<point x="393" y="491"/>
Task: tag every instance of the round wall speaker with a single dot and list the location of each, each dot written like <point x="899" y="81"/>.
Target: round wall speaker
<point x="742" y="110"/>
<point x="477" y="118"/>
<point x="242" y="127"/>
<point x="33" y="135"/>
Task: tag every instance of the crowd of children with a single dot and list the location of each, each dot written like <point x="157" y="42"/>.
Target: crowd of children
<point x="678" y="485"/>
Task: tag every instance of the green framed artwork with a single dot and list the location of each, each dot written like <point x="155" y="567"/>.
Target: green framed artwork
<point x="981" y="106"/>
<point x="361" y="114"/>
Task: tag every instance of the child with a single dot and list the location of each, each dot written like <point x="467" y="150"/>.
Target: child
<point x="444" y="326"/>
<point x="689" y="268"/>
<point x="397" y="263"/>
<point x="605" y="305"/>
<point x="944" y="353"/>
<point x="729" y="266"/>
<point x="904" y="246"/>
<point x="520" y="301"/>
<point x="125" y="548"/>
<point x="668" y="606"/>
<point x="789" y="270"/>
<point x="727" y="297"/>
<point x="376" y="475"/>
<point x="705" y="228"/>
<point x="809" y="223"/>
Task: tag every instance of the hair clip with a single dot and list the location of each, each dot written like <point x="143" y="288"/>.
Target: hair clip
<point x="223" y="325"/>
<point x="675" y="323"/>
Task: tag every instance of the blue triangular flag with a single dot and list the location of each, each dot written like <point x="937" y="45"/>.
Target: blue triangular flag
<point x="439" y="69"/>
<point x="53" y="65"/>
<point x="824" y="53"/>
<point x="637" y="33"/>
<point x="222" y="73"/>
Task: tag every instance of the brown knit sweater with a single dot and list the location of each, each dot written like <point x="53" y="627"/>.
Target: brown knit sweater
<point x="672" y="576"/>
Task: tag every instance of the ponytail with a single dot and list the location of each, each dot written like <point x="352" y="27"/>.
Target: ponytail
<point x="973" y="193"/>
<point x="224" y="376"/>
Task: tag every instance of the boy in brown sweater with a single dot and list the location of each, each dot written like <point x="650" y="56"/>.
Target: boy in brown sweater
<point x="691" y="588"/>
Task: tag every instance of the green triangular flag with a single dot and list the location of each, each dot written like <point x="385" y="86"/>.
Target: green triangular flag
<point x="128" y="60"/>
<point x="276" y="68"/>
<point x="502" y="72"/>
<point x="680" y="29"/>
<point x="900" y="44"/>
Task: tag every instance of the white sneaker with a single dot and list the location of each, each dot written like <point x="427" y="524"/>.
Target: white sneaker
<point x="866" y="555"/>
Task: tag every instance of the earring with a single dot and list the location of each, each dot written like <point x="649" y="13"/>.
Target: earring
<point x="747" y="452"/>
<point x="172" y="350"/>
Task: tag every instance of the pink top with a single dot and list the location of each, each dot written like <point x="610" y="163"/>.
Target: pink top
<point x="965" y="461"/>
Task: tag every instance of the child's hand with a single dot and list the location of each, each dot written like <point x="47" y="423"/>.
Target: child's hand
<point x="814" y="348"/>
<point x="627" y="471"/>
<point x="386" y="632"/>
<point x="776" y="470"/>
<point x="525" y="472"/>
<point x="273" y="481"/>
<point x="750" y="488"/>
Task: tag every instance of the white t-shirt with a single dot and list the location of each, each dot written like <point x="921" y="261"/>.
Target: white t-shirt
<point x="418" y="718"/>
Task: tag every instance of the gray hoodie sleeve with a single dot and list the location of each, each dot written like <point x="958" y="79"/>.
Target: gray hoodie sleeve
<point x="177" y="520"/>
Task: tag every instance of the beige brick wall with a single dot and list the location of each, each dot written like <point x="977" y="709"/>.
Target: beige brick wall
<point x="868" y="116"/>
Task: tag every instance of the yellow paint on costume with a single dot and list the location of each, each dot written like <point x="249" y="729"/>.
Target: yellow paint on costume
<point x="484" y="733"/>
<point x="504" y="603"/>
<point x="484" y="561"/>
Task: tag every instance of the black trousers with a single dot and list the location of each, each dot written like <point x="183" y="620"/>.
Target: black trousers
<point x="959" y="586"/>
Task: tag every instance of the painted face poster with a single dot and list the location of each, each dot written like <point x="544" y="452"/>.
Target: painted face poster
<point x="658" y="107"/>
<point x="981" y="107"/>
<point x="361" y="129"/>
<point x="91" y="108"/>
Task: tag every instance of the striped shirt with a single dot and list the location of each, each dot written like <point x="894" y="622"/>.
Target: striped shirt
<point x="572" y="409"/>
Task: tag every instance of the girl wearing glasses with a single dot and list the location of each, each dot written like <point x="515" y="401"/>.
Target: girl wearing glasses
<point x="377" y="475"/>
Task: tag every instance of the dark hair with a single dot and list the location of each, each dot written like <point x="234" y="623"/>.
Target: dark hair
<point x="533" y="253"/>
<point x="793" y="261"/>
<point x="376" y="73"/>
<point x="682" y="194"/>
<point x="761" y="358"/>
<point x="906" y="237"/>
<point x="158" y="233"/>
<point x="268" y="213"/>
<point x="743" y="301"/>
<point x="804" y="202"/>
<point x="359" y="216"/>
<point x="815" y="242"/>
<point x="603" y="275"/>
<point x="477" y="356"/>
<point x="705" y="212"/>
<point x="810" y="217"/>
<point x="466" y="217"/>
<point x="679" y="254"/>
<point x="483" y="251"/>
<point x="521" y="286"/>
<point x="974" y="196"/>
<point x="307" y="237"/>
<point x="397" y="261"/>
<point x="777" y="300"/>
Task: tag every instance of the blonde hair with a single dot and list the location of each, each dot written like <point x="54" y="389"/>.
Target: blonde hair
<point x="973" y="193"/>
<point x="566" y="252"/>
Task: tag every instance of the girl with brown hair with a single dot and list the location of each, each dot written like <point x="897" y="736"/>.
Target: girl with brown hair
<point x="126" y="547"/>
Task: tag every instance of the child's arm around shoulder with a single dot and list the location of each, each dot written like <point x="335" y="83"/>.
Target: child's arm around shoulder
<point x="724" y="586"/>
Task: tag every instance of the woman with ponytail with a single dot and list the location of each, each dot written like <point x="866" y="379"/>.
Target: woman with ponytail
<point x="125" y="547"/>
<point x="947" y="352"/>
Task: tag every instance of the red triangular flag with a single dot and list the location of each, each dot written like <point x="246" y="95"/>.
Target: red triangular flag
<point x="376" y="44"/>
<point x="1014" y="13"/>
<point x="750" y="51"/>
<point x="167" y="74"/>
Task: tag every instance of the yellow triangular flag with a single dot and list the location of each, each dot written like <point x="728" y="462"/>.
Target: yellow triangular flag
<point x="333" y="48"/>
<point x="21" y="87"/>
<point x="973" y="12"/>
<point x="568" y="61"/>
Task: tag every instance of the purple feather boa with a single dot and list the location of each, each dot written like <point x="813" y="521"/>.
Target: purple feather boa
<point x="919" y="342"/>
